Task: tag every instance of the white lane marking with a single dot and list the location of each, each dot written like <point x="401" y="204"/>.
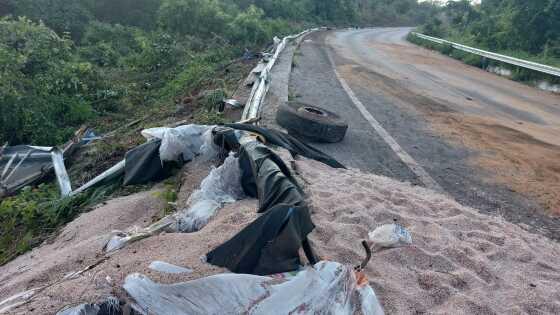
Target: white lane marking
<point x="401" y="153"/>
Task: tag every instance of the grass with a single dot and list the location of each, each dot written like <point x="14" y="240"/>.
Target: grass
<point x="33" y="215"/>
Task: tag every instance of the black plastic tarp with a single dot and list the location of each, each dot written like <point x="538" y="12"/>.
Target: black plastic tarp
<point x="143" y="164"/>
<point x="292" y="144"/>
<point x="271" y="243"/>
<point x="265" y="176"/>
<point x="268" y="245"/>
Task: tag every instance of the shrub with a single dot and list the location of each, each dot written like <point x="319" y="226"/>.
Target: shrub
<point x="43" y="92"/>
<point x="62" y="16"/>
<point x="248" y="29"/>
<point x="192" y="17"/>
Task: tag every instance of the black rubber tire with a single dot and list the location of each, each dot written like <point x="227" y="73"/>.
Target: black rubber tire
<point x="311" y="122"/>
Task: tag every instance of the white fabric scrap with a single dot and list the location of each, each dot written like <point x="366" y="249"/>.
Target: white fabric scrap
<point x="326" y="288"/>
<point x="222" y="186"/>
<point x="184" y="141"/>
<point x="164" y="267"/>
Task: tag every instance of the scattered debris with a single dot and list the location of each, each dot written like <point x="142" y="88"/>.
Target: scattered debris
<point x="390" y="235"/>
<point x="111" y="306"/>
<point x="325" y="288"/>
<point x="24" y="165"/>
<point x="271" y="243"/>
<point x="235" y="104"/>
<point x="220" y="187"/>
<point x="255" y="73"/>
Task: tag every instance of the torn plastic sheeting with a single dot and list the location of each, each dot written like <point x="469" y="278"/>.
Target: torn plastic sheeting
<point x="143" y="164"/>
<point x="164" y="267"/>
<point x="326" y="288"/>
<point x="271" y="243"/>
<point x="268" y="245"/>
<point x="111" y="306"/>
<point x="265" y="173"/>
<point x="17" y="300"/>
<point x="290" y="143"/>
<point x="182" y="143"/>
<point x="221" y="186"/>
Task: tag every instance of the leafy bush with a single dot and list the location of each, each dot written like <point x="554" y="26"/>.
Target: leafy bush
<point x="26" y="219"/>
<point x="157" y="50"/>
<point x="195" y="73"/>
<point x="43" y="91"/>
<point x="192" y="17"/>
<point x="62" y="16"/>
<point x="249" y="29"/>
<point x="105" y="44"/>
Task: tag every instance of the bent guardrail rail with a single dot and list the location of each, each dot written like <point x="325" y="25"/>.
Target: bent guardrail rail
<point x="494" y="56"/>
<point x="260" y="88"/>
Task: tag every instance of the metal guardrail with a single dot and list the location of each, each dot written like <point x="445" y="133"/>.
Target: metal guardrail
<point x="260" y="88"/>
<point x="490" y="55"/>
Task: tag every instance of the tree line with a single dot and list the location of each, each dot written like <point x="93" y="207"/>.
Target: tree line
<point x="517" y="26"/>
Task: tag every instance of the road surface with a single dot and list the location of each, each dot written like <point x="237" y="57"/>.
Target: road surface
<point x="418" y="116"/>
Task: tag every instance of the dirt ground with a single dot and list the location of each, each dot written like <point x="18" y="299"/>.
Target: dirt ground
<point x="461" y="262"/>
<point x="523" y="163"/>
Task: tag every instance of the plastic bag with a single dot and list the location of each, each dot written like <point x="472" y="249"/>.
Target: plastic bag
<point x="390" y="235"/>
<point x="222" y="186"/>
<point x="184" y="142"/>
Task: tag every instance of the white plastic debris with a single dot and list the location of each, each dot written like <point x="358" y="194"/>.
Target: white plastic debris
<point x="184" y="141"/>
<point x="164" y="267"/>
<point x="390" y="235"/>
<point x="120" y="239"/>
<point x="111" y="305"/>
<point x="223" y="185"/>
<point x="326" y="288"/>
<point x="17" y="300"/>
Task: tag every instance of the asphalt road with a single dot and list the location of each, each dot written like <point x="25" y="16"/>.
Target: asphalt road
<point x="416" y="115"/>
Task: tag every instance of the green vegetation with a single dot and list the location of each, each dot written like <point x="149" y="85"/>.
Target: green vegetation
<point x="30" y="217"/>
<point x="523" y="29"/>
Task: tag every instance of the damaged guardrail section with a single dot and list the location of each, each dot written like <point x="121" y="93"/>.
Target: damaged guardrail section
<point x="260" y="88"/>
<point x="490" y="55"/>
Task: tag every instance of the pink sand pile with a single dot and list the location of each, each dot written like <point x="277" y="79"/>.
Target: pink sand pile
<point x="461" y="262"/>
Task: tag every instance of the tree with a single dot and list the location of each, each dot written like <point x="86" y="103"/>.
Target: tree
<point x="192" y="17"/>
<point x="41" y="88"/>
<point x="63" y="16"/>
<point x="247" y="28"/>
